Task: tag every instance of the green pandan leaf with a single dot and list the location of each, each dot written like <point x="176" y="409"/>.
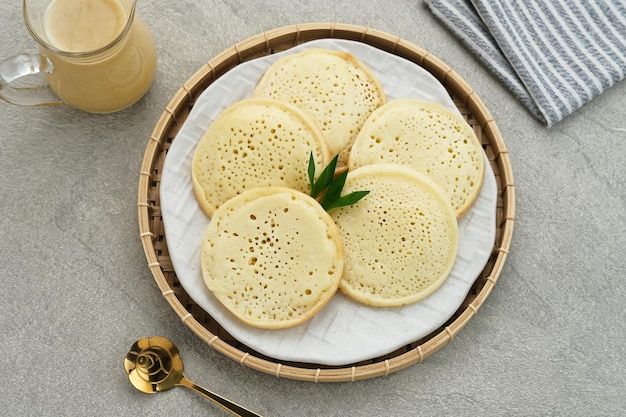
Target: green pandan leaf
<point x="346" y="200"/>
<point x="333" y="192"/>
<point x="325" y="178"/>
<point x="333" y="186"/>
<point x="311" y="170"/>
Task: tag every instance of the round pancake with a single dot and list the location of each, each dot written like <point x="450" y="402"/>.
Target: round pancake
<point x="400" y="240"/>
<point x="255" y="143"/>
<point x="429" y="138"/>
<point x="272" y="256"/>
<point x="334" y="87"/>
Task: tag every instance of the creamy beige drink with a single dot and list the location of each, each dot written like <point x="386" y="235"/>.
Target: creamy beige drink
<point x="117" y="75"/>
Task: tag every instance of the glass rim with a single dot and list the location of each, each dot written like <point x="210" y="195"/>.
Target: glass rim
<point x="79" y="54"/>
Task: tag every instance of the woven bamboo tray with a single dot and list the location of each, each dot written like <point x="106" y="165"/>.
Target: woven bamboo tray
<point x="154" y="240"/>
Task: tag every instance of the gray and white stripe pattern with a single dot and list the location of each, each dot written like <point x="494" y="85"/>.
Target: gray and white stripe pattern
<point x="554" y="55"/>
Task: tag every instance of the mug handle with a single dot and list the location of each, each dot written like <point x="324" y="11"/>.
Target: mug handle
<point x="37" y="92"/>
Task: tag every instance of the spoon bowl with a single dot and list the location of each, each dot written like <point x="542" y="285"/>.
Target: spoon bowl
<point x="154" y="364"/>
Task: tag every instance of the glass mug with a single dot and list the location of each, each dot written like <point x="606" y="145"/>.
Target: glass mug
<point x="96" y="55"/>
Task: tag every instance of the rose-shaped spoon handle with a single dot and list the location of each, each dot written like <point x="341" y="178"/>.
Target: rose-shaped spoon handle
<point x="218" y="399"/>
<point x="153" y="364"/>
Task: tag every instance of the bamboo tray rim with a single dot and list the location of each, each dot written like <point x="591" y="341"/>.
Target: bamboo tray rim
<point x="152" y="233"/>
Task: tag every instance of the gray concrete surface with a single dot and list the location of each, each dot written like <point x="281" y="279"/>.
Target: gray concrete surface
<point x="76" y="290"/>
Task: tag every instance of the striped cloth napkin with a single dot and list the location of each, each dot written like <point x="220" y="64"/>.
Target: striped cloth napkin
<point x="554" y="55"/>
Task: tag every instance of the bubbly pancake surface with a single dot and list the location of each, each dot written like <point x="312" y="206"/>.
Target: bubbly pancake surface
<point x="333" y="86"/>
<point x="254" y="143"/>
<point x="400" y="240"/>
<point x="429" y="138"/>
<point x="272" y="256"/>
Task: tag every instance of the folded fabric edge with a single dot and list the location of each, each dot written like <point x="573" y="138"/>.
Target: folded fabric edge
<point x="464" y="22"/>
<point x="565" y="52"/>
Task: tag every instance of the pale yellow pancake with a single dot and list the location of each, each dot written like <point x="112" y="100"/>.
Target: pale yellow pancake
<point x="272" y="256"/>
<point x="429" y="138"/>
<point x="400" y="240"/>
<point x="337" y="89"/>
<point x="255" y="143"/>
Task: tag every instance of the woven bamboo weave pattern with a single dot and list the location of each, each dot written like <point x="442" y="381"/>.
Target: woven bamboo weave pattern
<point x="153" y="237"/>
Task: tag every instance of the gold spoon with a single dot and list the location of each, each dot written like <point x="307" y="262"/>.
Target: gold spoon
<point x="153" y="364"/>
